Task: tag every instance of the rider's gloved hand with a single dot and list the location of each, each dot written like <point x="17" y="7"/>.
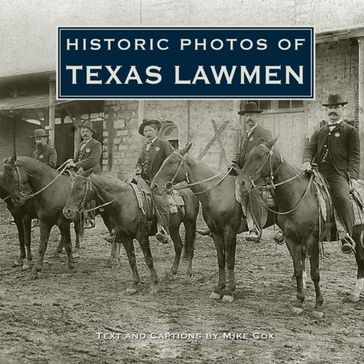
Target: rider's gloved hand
<point x="138" y="171"/>
<point x="306" y="167"/>
<point x="71" y="164"/>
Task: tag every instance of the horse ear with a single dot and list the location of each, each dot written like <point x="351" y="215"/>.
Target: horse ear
<point x="271" y="143"/>
<point x="10" y="160"/>
<point x="185" y="150"/>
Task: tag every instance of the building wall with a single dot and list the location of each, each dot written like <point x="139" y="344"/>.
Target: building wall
<point x="24" y="144"/>
<point x="336" y="72"/>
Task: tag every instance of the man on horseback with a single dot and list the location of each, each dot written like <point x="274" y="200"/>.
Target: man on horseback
<point x="153" y="154"/>
<point x="43" y="151"/>
<point x="88" y="156"/>
<point x="255" y="134"/>
<point x="335" y="148"/>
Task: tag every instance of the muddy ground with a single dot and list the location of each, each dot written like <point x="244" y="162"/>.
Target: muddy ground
<point x="84" y="316"/>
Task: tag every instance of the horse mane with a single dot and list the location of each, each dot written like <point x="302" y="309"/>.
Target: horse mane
<point x="34" y="164"/>
<point x="107" y="183"/>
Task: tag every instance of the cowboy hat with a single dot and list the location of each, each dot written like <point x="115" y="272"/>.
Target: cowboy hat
<point x="88" y="125"/>
<point x="250" y="107"/>
<point x="334" y="99"/>
<point x="146" y="122"/>
<point x="39" y="133"/>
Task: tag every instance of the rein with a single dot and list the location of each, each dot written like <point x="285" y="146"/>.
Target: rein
<point x="274" y="185"/>
<point x="27" y="197"/>
<point x="169" y="185"/>
<point x="89" y="187"/>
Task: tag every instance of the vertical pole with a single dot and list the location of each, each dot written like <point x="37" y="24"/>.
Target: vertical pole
<point x="188" y="120"/>
<point x="361" y="102"/>
<point x="52" y="109"/>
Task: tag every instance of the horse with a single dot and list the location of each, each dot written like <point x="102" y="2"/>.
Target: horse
<point x="120" y="203"/>
<point x="221" y="211"/>
<point x="50" y="191"/>
<point x="298" y="217"/>
<point x="23" y="218"/>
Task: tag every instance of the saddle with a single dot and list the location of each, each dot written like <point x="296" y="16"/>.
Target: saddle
<point x="143" y="194"/>
<point x="328" y="215"/>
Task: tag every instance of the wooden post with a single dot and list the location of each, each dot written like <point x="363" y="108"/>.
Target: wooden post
<point x="52" y="109"/>
<point x="361" y="102"/>
<point x="111" y="134"/>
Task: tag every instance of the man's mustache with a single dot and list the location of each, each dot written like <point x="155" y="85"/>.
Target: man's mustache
<point x="333" y="113"/>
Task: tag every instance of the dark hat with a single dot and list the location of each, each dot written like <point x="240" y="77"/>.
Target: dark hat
<point x="146" y="122"/>
<point x="334" y="99"/>
<point x="250" y="107"/>
<point x="39" y="133"/>
<point x="87" y="124"/>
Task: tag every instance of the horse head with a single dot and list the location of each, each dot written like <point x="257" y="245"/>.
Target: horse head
<point x="14" y="178"/>
<point x="261" y="162"/>
<point x="80" y="193"/>
<point x="173" y="170"/>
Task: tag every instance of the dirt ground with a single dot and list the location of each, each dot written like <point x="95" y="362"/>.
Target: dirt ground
<point x="84" y="316"/>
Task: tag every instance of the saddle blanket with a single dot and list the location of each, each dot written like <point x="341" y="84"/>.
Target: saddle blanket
<point x="145" y="202"/>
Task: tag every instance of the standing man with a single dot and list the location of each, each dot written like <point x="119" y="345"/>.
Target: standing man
<point x="335" y="148"/>
<point x="43" y="151"/>
<point x="88" y="157"/>
<point x="256" y="214"/>
<point x="154" y="152"/>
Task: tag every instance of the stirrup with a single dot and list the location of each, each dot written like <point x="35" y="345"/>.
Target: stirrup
<point x="254" y="238"/>
<point x="348" y="244"/>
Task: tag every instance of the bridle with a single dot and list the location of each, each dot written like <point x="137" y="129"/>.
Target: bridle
<point x="90" y="188"/>
<point x="22" y="193"/>
<point x="271" y="185"/>
<point x="169" y="185"/>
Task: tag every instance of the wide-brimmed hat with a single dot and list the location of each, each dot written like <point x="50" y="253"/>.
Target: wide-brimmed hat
<point x="334" y="99"/>
<point x="39" y="133"/>
<point x="88" y="125"/>
<point x="250" y="107"/>
<point x="146" y="122"/>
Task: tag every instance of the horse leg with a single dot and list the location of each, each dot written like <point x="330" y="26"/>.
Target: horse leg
<point x="230" y="248"/>
<point x="79" y="236"/>
<point x="21" y="238"/>
<point x="129" y="248"/>
<point x="145" y="245"/>
<point x="27" y="224"/>
<point x="217" y="293"/>
<point x="45" y="230"/>
<point x="296" y="254"/>
<point x="358" y="290"/>
<point x="66" y="235"/>
<point x="177" y="242"/>
<point x="315" y="276"/>
<point x="190" y="235"/>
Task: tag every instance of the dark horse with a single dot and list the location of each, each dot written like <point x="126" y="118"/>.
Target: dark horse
<point x="298" y="216"/>
<point x="50" y="191"/>
<point x="220" y="209"/>
<point x="129" y="220"/>
<point x="23" y="216"/>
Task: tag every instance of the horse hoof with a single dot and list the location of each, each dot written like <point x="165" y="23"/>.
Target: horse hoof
<point x="76" y="254"/>
<point x="131" y="291"/>
<point x="215" y="296"/>
<point x="318" y="314"/>
<point x="18" y="262"/>
<point x="57" y="255"/>
<point x="228" y="299"/>
<point x="38" y="268"/>
<point x="71" y="266"/>
<point x="170" y="276"/>
<point x="26" y="266"/>
<point x="297" y="310"/>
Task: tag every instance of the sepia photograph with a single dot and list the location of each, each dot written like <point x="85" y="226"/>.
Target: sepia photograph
<point x="181" y="181"/>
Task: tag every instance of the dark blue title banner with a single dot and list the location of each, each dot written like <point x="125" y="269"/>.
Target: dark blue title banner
<point x="188" y="63"/>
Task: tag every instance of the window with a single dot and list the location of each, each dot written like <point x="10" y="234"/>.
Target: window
<point x="278" y="105"/>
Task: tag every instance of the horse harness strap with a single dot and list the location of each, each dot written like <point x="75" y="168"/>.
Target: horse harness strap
<point x="106" y="203"/>
<point x="168" y="186"/>
<point x="27" y="197"/>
